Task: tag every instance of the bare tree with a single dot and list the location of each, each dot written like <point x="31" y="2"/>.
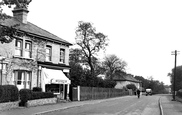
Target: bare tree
<point x="90" y="42"/>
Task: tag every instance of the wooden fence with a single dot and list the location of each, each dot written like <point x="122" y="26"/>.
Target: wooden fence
<point x="92" y="93"/>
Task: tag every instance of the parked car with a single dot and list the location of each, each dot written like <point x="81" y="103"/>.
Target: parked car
<point x="148" y="92"/>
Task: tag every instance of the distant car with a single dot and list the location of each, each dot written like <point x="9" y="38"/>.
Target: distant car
<point x="148" y="92"/>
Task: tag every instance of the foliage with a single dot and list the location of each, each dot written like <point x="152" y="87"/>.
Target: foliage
<point x="7" y="33"/>
<point x="90" y="42"/>
<point x="111" y="64"/>
<point x="37" y="89"/>
<point x="179" y="93"/>
<point x="41" y="95"/>
<point x="156" y="86"/>
<point x="8" y="93"/>
<point x="27" y="94"/>
<point x="178" y="78"/>
<point x="82" y="76"/>
<point x="131" y="86"/>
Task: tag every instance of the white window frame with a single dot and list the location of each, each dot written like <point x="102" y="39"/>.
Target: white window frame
<point x="28" y="51"/>
<point x="62" y="55"/>
<point x="19" y="48"/>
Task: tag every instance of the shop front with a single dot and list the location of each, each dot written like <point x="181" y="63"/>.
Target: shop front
<point x="55" y="81"/>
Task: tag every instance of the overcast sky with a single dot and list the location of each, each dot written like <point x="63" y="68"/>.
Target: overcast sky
<point x="141" y="32"/>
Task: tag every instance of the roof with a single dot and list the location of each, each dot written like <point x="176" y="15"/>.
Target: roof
<point x="126" y="77"/>
<point x="33" y="30"/>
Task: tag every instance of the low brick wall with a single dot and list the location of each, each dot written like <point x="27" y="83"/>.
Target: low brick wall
<point x="39" y="102"/>
<point x="9" y="105"/>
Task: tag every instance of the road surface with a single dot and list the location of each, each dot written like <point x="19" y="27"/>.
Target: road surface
<point x="129" y="105"/>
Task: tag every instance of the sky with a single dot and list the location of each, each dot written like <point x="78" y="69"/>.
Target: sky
<point x="141" y="32"/>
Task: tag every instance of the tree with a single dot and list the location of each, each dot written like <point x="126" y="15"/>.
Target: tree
<point x="178" y="78"/>
<point x="90" y="42"/>
<point x="112" y="64"/>
<point x="7" y="33"/>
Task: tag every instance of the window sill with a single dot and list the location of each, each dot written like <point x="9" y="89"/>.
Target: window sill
<point x="61" y="62"/>
<point x="23" y="57"/>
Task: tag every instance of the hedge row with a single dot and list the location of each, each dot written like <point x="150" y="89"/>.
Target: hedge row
<point x="179" y="93"/>
<point x="27" y="94"/>
<point x="8" y="93"/>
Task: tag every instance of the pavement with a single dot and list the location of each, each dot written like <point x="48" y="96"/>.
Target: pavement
<point x="170" y="107"/>
<point x="51" y="107"/>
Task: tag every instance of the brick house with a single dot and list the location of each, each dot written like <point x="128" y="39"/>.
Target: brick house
<point x="34" y="56"/>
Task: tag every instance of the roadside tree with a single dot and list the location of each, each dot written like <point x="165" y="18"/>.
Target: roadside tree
<point x="90" y="42"/>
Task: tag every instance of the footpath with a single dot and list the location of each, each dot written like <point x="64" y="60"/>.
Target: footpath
<point x="53" y="107"/>
<point x="170" y="107"/>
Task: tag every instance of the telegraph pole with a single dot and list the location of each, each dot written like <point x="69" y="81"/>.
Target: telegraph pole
<point x="174" y="77"/>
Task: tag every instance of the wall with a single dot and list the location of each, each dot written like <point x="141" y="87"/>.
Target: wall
<point x="56" y="52"/>
<point x="121" y="84"/>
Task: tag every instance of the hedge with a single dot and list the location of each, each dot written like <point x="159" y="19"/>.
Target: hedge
<point x="179" y="93"/>
<point x="27" y="94"/>
<point x="8" y="93"/>
<point x="37" y="89"/>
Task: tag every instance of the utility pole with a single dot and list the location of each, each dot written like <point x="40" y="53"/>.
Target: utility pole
<point x="174" y="77"/>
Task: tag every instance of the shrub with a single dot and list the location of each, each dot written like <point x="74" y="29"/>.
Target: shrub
<point x="37" y="89"/>
<point x="179" y="93"/>
<point x="41" y="95"/>
<point x="25" y="95"/>
<point x="131" y="86"/>
<point x="8" y="93"/>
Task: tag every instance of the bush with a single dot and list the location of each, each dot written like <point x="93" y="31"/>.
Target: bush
<point x="131" y="86"/>
<point x="25" y="95"/>
<point x="37" y="89"/>
<point x="179" y="93"/>
<point x="8" y="93"/>
<point x="41" y="95"/>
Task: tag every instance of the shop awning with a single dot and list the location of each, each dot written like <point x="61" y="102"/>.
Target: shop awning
<point x="54" y="76"/>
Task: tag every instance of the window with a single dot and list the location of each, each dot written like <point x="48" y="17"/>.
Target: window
<point x="28" y="49"/>
<point x="62" y="55"/>
<point x="48" y="53"/>
<point x="22" y="79"/>
<point x="19" y="47"/>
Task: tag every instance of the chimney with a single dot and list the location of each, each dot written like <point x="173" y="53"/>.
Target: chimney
<point x="20" y="14"/>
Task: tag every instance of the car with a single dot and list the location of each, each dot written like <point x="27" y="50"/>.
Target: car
<point x="148" y="92"/>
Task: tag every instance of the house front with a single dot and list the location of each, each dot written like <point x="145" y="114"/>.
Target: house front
<point x="124" y="80"/>
<point x="35" y="58"/>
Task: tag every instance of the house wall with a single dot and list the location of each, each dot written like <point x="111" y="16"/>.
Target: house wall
<point x="56" y="52"/>
<point x="7" y="50"/>
<point x="121" y="84"/>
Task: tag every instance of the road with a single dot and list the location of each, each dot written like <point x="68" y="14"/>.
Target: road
<point x="129" y="105"/>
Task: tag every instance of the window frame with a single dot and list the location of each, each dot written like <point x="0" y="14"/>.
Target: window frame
<point x="19" y="48"/>
<point x="23" y="80"/>
<point x="28" y="50"/>
<point x="62" y="55"/>
<point x="49" y="54"/>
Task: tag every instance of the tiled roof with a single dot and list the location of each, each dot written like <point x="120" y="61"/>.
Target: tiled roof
<point x="33" y="30"/>
<point x="126" y="77"/>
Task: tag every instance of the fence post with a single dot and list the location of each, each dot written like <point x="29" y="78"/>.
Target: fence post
<point x="78" y="89"/>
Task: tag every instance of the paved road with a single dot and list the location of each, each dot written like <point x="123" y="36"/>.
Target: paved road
<point x="130" y="105"/>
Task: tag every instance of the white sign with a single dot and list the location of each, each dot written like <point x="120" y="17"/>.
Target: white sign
<point x="57" y="81"/>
